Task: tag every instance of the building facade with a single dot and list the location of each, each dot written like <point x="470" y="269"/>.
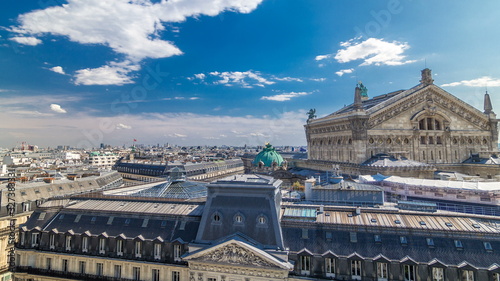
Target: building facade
<point x="425" y="124"/>
<point x="244" y="232"/>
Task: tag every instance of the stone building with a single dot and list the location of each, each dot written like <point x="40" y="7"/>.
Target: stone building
<point x="425" y="124"/>
<point x="243" y="232"/>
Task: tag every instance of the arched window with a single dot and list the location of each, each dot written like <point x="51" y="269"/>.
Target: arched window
<point x="429" y="123"/>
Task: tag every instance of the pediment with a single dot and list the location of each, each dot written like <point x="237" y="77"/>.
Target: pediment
<point x="430" y="99"/>
<point x="235" y="252"/>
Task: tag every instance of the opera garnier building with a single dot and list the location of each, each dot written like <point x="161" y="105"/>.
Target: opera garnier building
<point x="424" y="126"/>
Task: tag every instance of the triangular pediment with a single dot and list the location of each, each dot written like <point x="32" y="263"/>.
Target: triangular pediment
<point x="236" y="252"/>
<point x="427" y="100"/>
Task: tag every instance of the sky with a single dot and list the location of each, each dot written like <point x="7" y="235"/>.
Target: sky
<point x="222" y="72"/>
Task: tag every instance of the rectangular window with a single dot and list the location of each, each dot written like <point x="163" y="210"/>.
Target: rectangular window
<point x="382" y="273"/>
<point x="136" y="273"/>
<point x="35" y="239"/>
<point x="85" y="244"/>
<point x="437" y="274"/>
<point x="99" y="269"/>
<point x="177" y="252"/>
<point x="22" y="238"/>
<point x="82" y="267"/>
<point x="155" y="275"/>
<point x="48" y="263"/>
<point x="305" y="265"/>
<point x="119" y="247"/>
<point x="409" y="272"/>
<point x="176" y="276"/>
<point x="356" y="269"/>
<point x="138" y="249"/>
<point x="64" y="266"/>
<point x="68" y="243"/>
<point x="211" y="279"/>
<point x="330" y="267"/>
<point x="118" y="271"/>
<point x="467" y="275"/>
<point x="102" y="245"/>
<point x="157" y="251"/>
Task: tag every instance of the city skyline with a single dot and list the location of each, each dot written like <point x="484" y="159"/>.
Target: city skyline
<point x="233" y="73"/>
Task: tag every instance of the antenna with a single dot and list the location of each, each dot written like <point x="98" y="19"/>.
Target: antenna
<point x="425" y="63"/>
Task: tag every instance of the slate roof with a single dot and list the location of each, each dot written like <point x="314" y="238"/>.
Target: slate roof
<point x="391" y="247"/>
<point x="169" y="221"/>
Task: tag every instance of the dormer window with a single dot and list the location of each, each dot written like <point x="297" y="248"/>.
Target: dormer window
<point x="177" y="252"/>
<point x="119" y="247"/>
<point x="35" y="239"/>
<point x="85" y="244"/>
<point x="68" y="243"/>
<point x="238" y="218"/>
<point x="102" y="245"/>
<point x="157" y="251"/>
<point x="138" y="249"/>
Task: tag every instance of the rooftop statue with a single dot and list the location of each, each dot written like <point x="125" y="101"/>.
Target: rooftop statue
<point x="363" y="89"/>
<point x="312" y="114"/>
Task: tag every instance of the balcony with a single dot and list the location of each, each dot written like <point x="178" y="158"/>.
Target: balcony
<point x="67" y="275"/>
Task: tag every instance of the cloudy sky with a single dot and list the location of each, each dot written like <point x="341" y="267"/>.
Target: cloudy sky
<point x="235" y="72"/>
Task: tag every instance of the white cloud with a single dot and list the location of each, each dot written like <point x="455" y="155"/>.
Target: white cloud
<point x="288" y="79"/>
<point x="57" y="108"/>
<point x="176" y="135"/>
<point x="485" y="81"/>
<point x="30" y="41"/>
<point x="285" y="97"/>
<point x="245" y="79"/>
<point x="373" y="51"/>
<point x="112" y="74"/>
<point x="344" y="71"/>
<point x="322" y="57"/>
<point x="121" y="126"/>
<point x="200" y="76"/>
<point x="129" y="28"/>
<point x="318" y="79"/>
<point x="57" y="69"/>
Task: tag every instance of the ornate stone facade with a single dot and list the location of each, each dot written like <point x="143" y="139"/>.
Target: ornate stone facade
<point x="425" y="124"/>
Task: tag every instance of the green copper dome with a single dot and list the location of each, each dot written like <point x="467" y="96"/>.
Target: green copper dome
<point x="268" y="156"/>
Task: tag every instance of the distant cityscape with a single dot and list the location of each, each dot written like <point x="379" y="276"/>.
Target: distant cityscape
<point x="402" y="186"/>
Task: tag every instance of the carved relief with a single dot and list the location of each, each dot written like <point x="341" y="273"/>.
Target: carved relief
<point x="431" y="101"/>
<point x="234" y="254"/>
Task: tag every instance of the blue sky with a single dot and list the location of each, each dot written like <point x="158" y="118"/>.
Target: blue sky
<point x="85" y="72"/>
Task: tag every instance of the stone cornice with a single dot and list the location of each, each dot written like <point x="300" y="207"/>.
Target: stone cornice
<point x="439" y="97"/>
